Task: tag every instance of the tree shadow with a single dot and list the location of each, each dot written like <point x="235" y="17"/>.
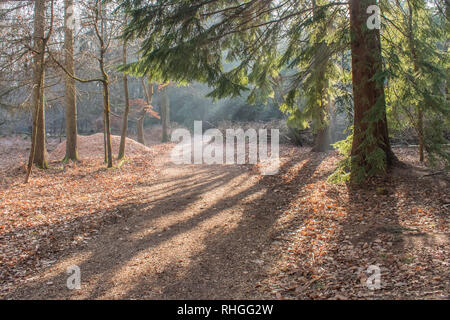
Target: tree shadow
<point x="157" y="208"/>
<point x="223" y="262"/>
<point x="231" y="265"/>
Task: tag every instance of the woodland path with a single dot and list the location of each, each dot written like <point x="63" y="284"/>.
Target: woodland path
<point x="203" y="234"/>
<point x="227" y="232"/>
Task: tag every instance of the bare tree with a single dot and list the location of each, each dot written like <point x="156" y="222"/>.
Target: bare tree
<point x="70" y="96"/>
<point x="123" y="134"/>
<point x="38" y="147"/>
<point x="148" y="91"/>
<point x="102" y="30"/>
<point x="165" y="114"/>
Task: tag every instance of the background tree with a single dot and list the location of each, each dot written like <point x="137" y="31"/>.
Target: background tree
<point x="101" y="29"/>
<point x="148" y="90"/>
<point x="181" y="43"/>
<point x="38" y="149"/>
<point x="165" y="113"/>
<point x="70" y="91"/>
<point x="416" y="68"/>
<point x="123" y="134"/>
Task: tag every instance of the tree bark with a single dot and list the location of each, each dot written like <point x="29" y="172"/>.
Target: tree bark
<point x="412" y="48"/>
<point x="333" y="121"/>
<point x="140" y="122"/>
<point x="165" y="115"/>
<point x="370" y="123"/>
<point x="322" y="139"/>
<point x="420" y="133"/>
<point x="105" y="148"/>
<point x="107" y="124"/>
<point x="38" y="153"/>
<point x="447" y="43"/>
<point x="105" y="82"/>
<point x="123" y="135"/>
<point x="140" y="128"/>
<point x="70" y="94"/>
<point x="321" y="58"/>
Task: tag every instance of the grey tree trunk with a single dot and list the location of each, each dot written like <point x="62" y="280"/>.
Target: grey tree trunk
<point x="333" y="121"/>
<point x="38" y="148"/>
<point x="107" y="123"/>
<point x="447" y="44"/>
<point x="414" y="58"/>
<point x="40" y="154"/>
<point x="140" y="128"/>
<point x="123" y="135"/>
<point x="105" y="149"/>
<point x="105" y="82"/>
<point x="70" y="94"/>
<point x="321" y="123"/>
<point x="322" y="139"/>
<point x="140" y="122"/>
<point x="165" y="115"/>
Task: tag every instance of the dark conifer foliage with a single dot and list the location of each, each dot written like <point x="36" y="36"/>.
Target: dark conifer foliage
<point x="238" y="46"/>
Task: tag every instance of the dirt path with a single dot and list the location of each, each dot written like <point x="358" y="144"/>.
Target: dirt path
<point x="226" y="232"/>
<point x="201" y="234"/>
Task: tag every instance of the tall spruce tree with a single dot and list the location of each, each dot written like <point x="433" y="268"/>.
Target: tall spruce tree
<point x="417" y="60"/>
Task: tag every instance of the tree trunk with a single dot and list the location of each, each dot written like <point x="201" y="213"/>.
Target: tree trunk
<point x="105" y="149"/>
<point x="322" y="139"/>
<point x="140" y="129"/>
<point x="123" y="135"/>
<point x="370" y="123"/>
<point x="333" y="121"/>
<point x="140" y="123"/>
<point x="320" y="61"/>
<point x="420" y="133"/>
<point x="165" y="115"/>
<point x="70" y="96"/>
<point x="38" y="151"/>
<point x="40" y="154"/>
<point x="107" y="124"/>
<point x="414" y="58"/>
<point x="105" y="83"/>
<point x="447" y="44"/>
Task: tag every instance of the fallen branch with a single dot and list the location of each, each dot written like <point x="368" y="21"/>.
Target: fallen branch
<point x="433" y="174"/>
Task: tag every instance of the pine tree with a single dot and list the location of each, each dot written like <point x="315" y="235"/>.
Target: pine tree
<point x="371" y="151"/>
<point x="416" y="64"/>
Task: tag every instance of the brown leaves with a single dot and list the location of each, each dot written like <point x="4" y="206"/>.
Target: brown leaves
<point x="148" y="108"/>
<point x="333" y="233"/>
<point x="64" y="206"/>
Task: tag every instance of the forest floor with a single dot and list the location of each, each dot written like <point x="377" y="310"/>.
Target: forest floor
<point x="151" y="229"/>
